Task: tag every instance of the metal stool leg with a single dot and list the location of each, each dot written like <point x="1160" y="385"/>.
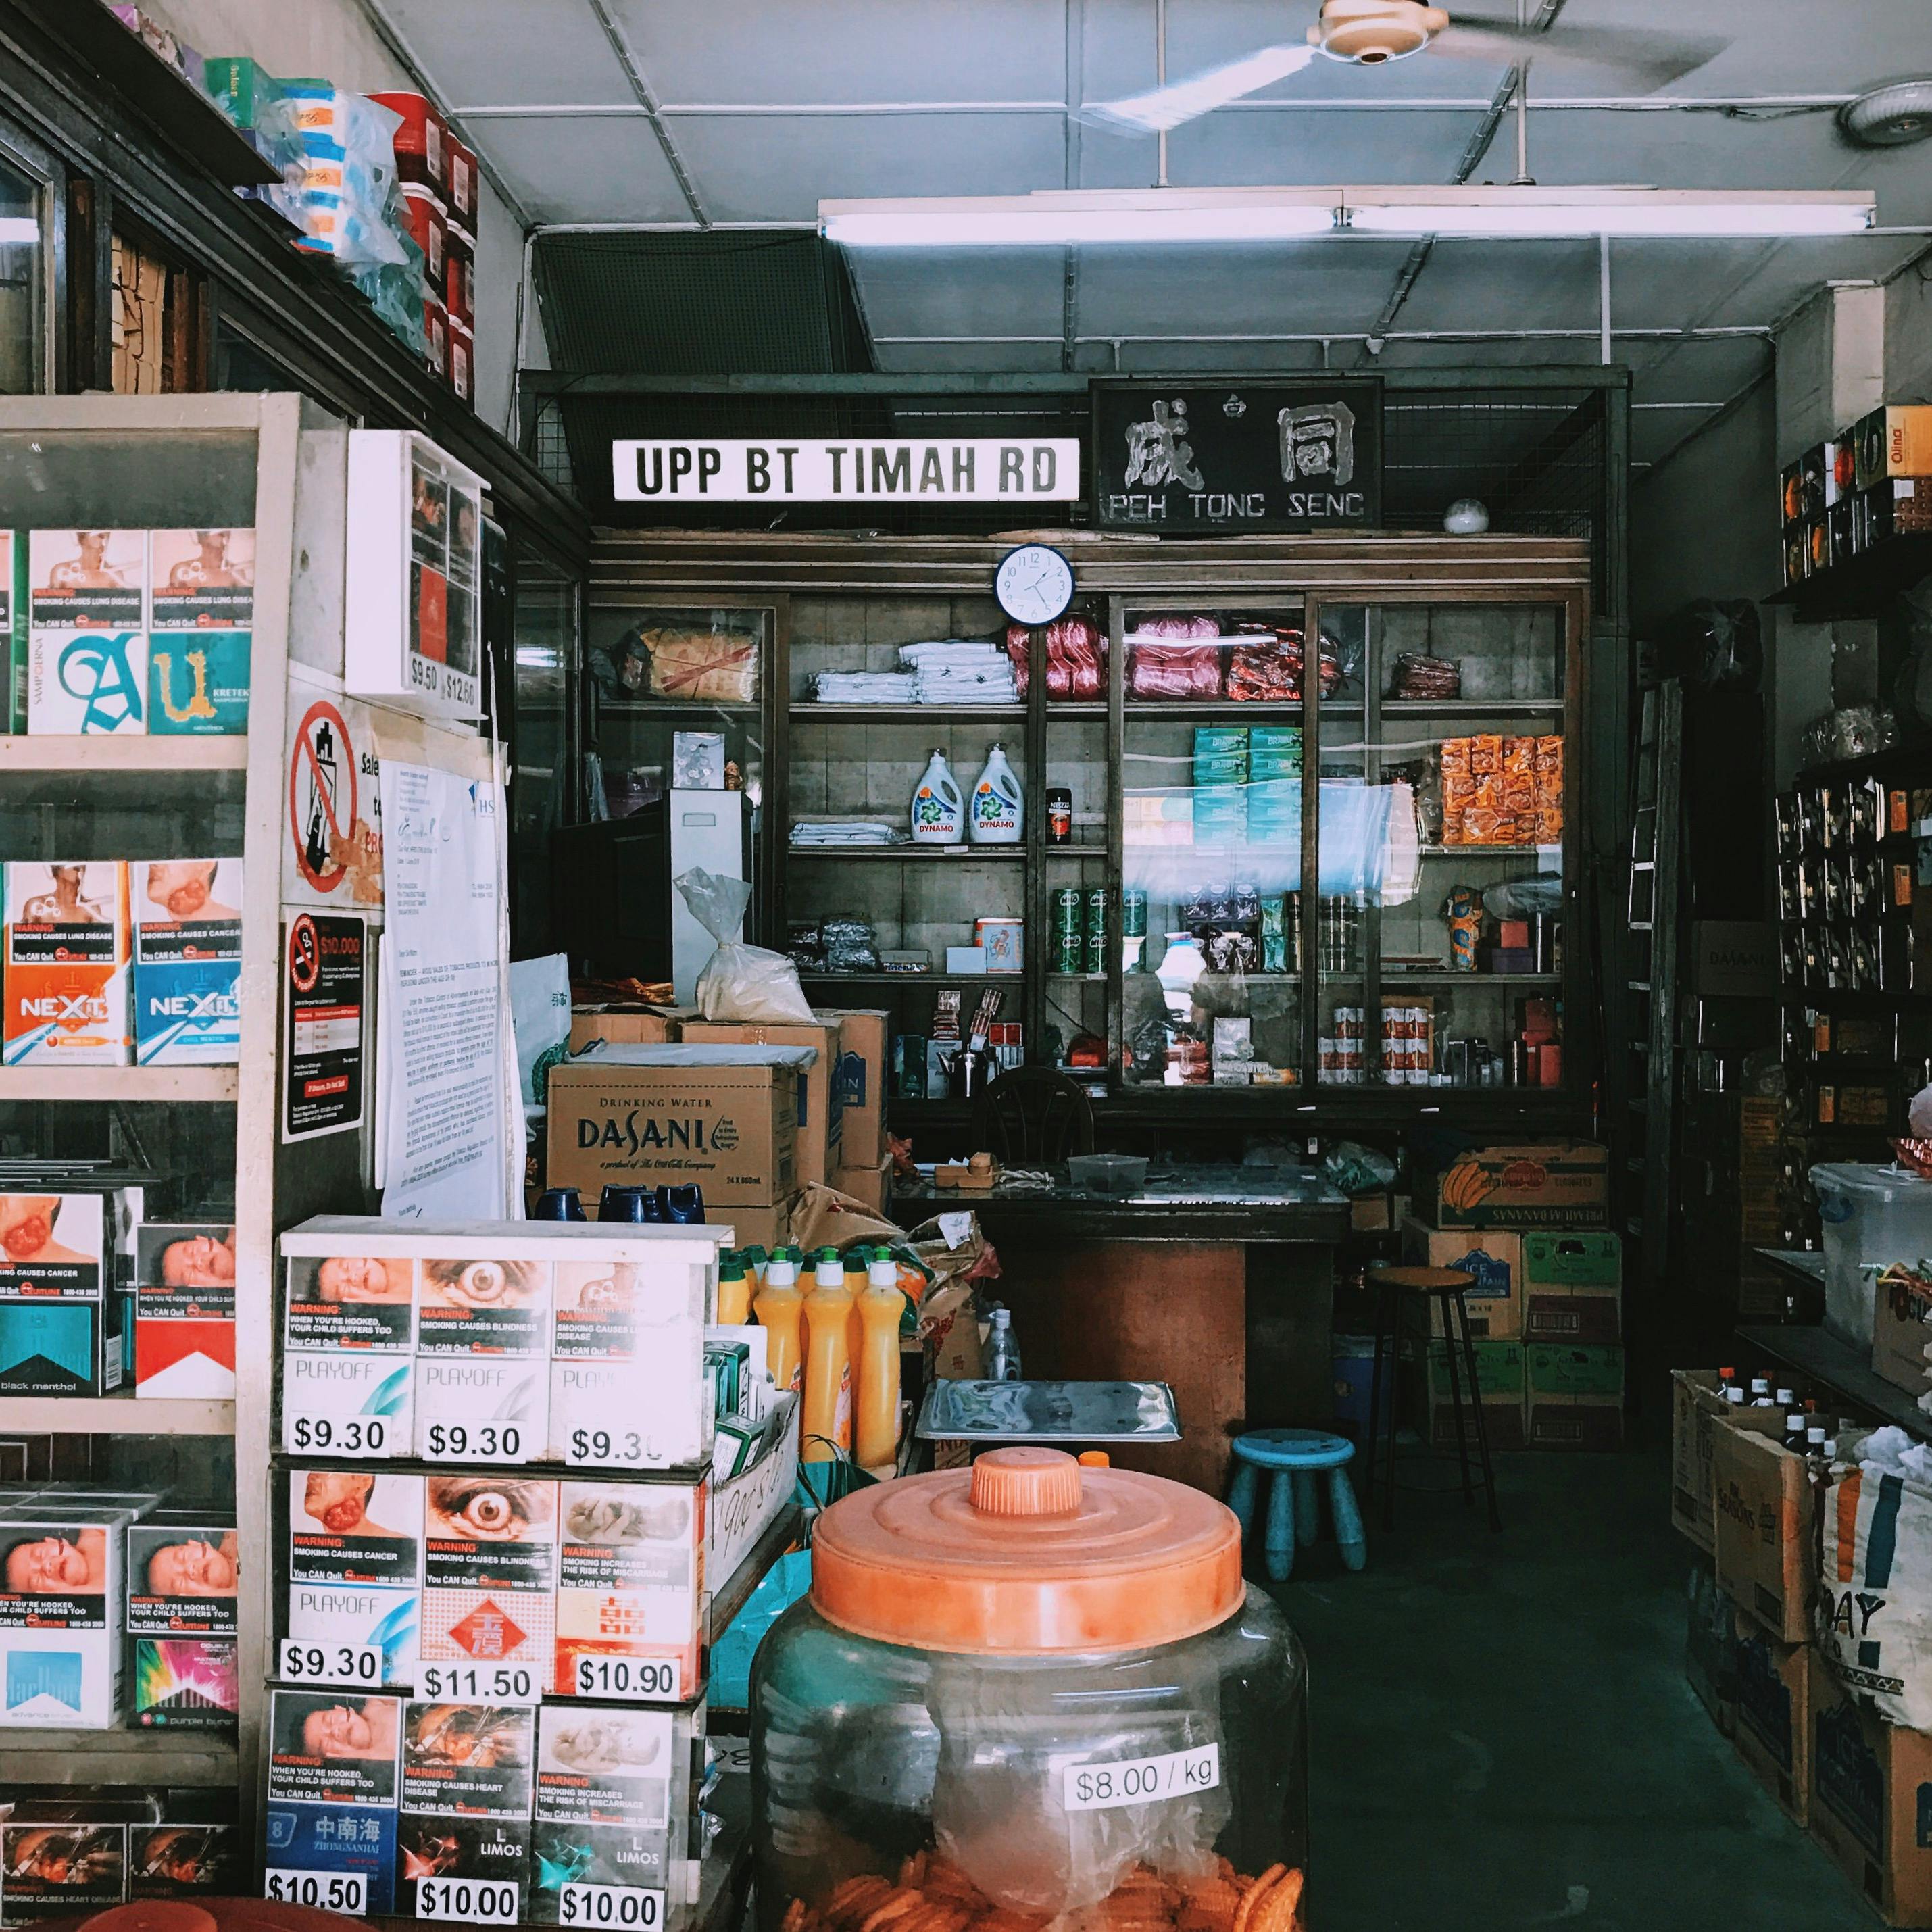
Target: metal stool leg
<point x="1348" y="1531"/>
<point x="1241" y="1497"/>
<point x="1307" y="1508"/>
<point x="1375" y="1402"/>
<point x="1281" y="1525"/>
<point x="1446" y="1303"/>
<point x="1482" y="1427"/>
<point x="1391" y="1318"/>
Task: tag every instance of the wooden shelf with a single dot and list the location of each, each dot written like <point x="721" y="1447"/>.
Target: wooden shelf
<point x="1818" y="1356"/>
<point x="1483" y="851"/>
<point x="696" y="709"/>
<point x="1221" y="709"/>
<point x="915" y="978"/>
<point x="96" y="1084"/>
<point x="122" y="1414"/>
<point x="900" y="715"/>
<point x="928" y="855"/>
<point x="170" y="1756"/>
<point x="110" y="753"/>
<point x="1453" y="707"/>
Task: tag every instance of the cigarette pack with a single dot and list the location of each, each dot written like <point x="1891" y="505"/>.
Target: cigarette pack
<point x="483" y="1368"/>
<point x="630" y="1587"/>
<point x="198" y="683"/>
<point x="463" y="1841"/>
<point x="66" y="966"/>
<point x="489" y="1567"/>
<point x="181" y="1574"/>
<point x="60" y="1316"/>
<point x="608" y="1833"/>
<point x="62" y="1633"/>
<point x="353" y="1558"/>
<point x="61" y="1870"/>
<point x="87" y="683"/>
<point x="186" y="1857"/>
<point x="334" y="1772"/>
<point x="13" y="631"/>
<point x="345" y="1303"/>
<point x="184" y="1309"/>
<point x="187" y="961"/>
<point x="202" y="580"/>
<point x="87" y="580"/>
<point x="342" y="1404"/>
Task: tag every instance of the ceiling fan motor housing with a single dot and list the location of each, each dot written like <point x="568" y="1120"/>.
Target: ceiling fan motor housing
<point x="1892" y="116"/>
<point x="1369" y="32"/>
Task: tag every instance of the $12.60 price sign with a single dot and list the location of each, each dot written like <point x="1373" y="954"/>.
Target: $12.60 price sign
<point x="1142" y="1780"/>
<point x="324" y="1891"/>
<point x="338" y="1436"/>
<point x="473" y="1442"/>
<point x="474" y="1901"/>
<point x="632" y="1679"/>
<point x="357" y="1664"/>
<point x="478" y="1683"/>
<point x="627" y="1905"/>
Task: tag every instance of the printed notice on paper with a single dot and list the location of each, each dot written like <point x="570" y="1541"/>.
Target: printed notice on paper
<point x="443" y="1011"/>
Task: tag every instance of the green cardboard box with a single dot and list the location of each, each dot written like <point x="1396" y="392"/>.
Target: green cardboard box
<point x="1579" y="1260"/>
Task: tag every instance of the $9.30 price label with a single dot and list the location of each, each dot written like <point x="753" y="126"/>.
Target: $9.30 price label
<point x="359" y="1664"/>
<point x="598" y="1446"/>
<point x="478" y="1683"/>
<point x="339" y="1435"/>
<point x="474" y="1901"/>
<point x="1142" y="1780"/>
<point x="614" y="1905"/>
<point x="325" y="1891"/>
<point x="636" y="1680"/>
<point x="475" y="1442"/>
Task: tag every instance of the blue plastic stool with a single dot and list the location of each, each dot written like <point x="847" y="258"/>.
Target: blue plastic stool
<point x="1293" y="1457"/>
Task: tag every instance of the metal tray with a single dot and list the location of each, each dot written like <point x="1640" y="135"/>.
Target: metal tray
<point x="1048" y="1411"/>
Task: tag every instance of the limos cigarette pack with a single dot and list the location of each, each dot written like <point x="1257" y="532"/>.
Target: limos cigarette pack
<point x="183" y="1570"/>
<point x="65" y="972"/>
<point x="187" y="961"/>
<point x="353" y="1559"/>
<point x="630" y="1583"/>
<point x="335" y="1773"/>
<point x="60" y="1315"/>
<point x="482" y="1359"/>
<point x="60" y="1613"/>
<point x="463" y="1838"/>
<point x="184" y="1309"/>
<point x="490" y="1566"/>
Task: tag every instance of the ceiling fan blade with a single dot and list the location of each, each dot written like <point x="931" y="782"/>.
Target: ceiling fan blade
<point x="1161" y="108"/>
<point x="1648" y="60"/>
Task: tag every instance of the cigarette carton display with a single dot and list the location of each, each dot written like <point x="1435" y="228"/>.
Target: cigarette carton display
<point x="202" y="580"/>
<point x="66" y="968"/>
<point x="187" y="961"/>
<point x="347" y="1404"/>
<point x="13" y="631"/>
<point x="60" y="1317"/>
<point x="334" y="1772"/>
<point x="483" y="1366"/>
<point x="61" y="1870"/>
<point x="353" y="1560"/>
<point x="182" y="1569"/>
<point x="184" y="1309"/>
<point x="489" y="1569"/>
<point x="60" y="1613"/>
<point x="464" y="1842"/>
<point x="630" y="1585"/>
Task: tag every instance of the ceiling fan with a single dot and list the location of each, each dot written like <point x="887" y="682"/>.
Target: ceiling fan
<point x="1371" y="33"/>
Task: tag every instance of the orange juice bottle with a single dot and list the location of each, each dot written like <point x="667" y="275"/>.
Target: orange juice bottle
<point x="734" y="1289"/>
<point x="857" y="1260"/>
<point x="876" y="1429"/>
<point x="828" y="1362"/>
<point x="780" y="1308"/>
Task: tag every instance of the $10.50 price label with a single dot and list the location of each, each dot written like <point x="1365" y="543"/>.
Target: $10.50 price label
<point x="324" y="1891"/>
<point x="472" y="1901"/>
<point x="626" y="1906"/>
<point x="633" y="1680"/>
<point x="1142" y="1780"/>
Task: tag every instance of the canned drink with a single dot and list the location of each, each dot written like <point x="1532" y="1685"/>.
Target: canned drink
<point x="1096" y="953"/>
<point x="1097" y="912"/>
<point x="1134" y="912"/>
<point x="1069" y="952"/>
<point x="1066" y="904"/>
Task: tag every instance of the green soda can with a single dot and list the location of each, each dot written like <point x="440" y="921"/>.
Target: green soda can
<point x="1097" y="912"/>
<point x="1067" y="953"/>
<point x="1066" y="903"/>
<point x="1134" y="912"/>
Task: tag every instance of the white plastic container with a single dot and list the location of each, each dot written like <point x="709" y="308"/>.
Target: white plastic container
<point x="1872" y="1215"/>
<point x="997" y="815"/>
<point x="938" y="811"/>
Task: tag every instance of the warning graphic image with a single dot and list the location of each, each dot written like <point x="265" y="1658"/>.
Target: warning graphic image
<point x="336" y="846"/>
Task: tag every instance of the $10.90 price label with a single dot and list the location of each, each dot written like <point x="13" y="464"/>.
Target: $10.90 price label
<point x="324" y="1891"/>
<point x="478" y="1683"/>
<point x="630" y="1679"/>
<point x="340" y="1436"/>
<point x="472" y="1901"/>
<point x="627" y="1905"/>
<point x="357" y="1664"/>
<point x="1142" y="1780"/>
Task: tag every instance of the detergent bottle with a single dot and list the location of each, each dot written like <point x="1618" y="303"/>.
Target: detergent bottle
<point x="998" y="811"/>
<point x="858" y="1260"/>
<point x="828" y="1362"/>
<point x="938" y="812"/>
<point x="781" y="1307"/>
<point x="734" y="1289"/>
<point x="876" y="1432"/>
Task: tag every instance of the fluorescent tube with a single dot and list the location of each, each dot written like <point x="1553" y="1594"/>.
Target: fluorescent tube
<point x="1531" y="213"/>
<point x="1060" y="218"/>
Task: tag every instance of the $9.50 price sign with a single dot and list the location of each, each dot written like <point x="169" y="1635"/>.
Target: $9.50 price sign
<point x="1142" y="1780"/>
<point x="473" y="1901"/>
<point x="624" y="1906"/>
<point x="324" y="1891"/>
<point x="630" y="1679"/>
<point x="357" y="1664"/>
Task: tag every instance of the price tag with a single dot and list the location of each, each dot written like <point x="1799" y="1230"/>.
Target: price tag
<point x="325" y="1891"/>
<point x="478" y="1683"/>
<point x="357" y="1664"/>
<point x="476" y="1442"/>
<point x="1142" y="1780"/>
<point x="616" y="1905"/>
<point x="632" y="1680"/>
<point x="337" y="1436"/>
<point x="605" y="1448"/>
<point x="474" y="1901"/>
<point x="955" y="1227"/>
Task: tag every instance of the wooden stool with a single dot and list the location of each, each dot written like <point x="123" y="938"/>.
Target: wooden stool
<point x="1433" y="1287"/>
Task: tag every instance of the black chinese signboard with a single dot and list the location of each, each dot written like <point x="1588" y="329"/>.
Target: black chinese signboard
<point x="1228" y="456"/>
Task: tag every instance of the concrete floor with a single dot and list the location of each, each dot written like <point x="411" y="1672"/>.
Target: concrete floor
<point x="1502" y="1735"/>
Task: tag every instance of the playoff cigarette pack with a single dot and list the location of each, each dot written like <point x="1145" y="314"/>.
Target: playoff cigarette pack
<point x="348" y="1329"/>
<point x="184" y="1309"/>
<point x="61" y="1611"/>
<point x="182" y="1569"/>
<point x="66" y="968"/>
<point x="60" y="1315"/>
<point x="630" y="1586"/>
<point x="353" y="1558"/>
<point x="490" y="1571"/>
<point x="335" y="1773"/>
<point x="463" y="1839"/>
<point x="187" y="961"/>
<point x="482" y="1359"/>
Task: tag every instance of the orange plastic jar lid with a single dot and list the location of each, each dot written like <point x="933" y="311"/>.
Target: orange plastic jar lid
<point x="1027" y="1552"/>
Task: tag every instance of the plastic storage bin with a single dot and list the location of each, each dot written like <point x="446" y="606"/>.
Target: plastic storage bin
<point x="1122" y="1174"/>
<point x="1023" y="1689"/>
<point x="1872" y="1215"/>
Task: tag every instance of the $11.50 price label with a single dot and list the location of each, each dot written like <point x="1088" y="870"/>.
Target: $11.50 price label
<point x="1142" y="1780"/>
<point x="323" y="1891"/>
<point x="625" y="1906"/>
<point x="357" y="1664"/>
<point x="633" y="1680"/>
<point x="304" y="1435"/>
<point x="474" y="1901"/>
<point x="478" y="1683"/>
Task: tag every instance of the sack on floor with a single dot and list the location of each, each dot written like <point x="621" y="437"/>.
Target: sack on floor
<point x="1874" y="1610"/>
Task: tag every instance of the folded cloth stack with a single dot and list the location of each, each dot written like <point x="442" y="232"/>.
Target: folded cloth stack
<point x="866" y="687"/>
<point x="846" y="831"/>
<point x="961" y="670"/>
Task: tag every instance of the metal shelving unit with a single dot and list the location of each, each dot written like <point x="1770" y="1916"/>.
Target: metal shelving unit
<point x="96" y="1085"/>
<point x="123" y="1415"/>
<point x="112" y="754"/>
<point x="203" y="1760"/>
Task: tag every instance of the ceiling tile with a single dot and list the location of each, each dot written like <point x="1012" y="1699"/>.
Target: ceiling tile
<point x="1239" y="150"/>
<point x="955" y="292"/>
<point x="1298" y="288"/>
<point x="521" y="52"/>
<point x="608" y="169"/>
<point x="949" y="358"/>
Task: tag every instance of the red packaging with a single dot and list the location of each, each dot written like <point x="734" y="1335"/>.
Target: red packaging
<point x="1076" y="658"/>
<point x="1175" y="657"/>
<point x="462" y="362"/>
<point x="424" y="213"/>
<point x="1550" y="1064"/>
<point x="436" y="327"/>
<point x="462" y="171"/>
<point x="459" y="286"/>
<point x="422" y="141"/>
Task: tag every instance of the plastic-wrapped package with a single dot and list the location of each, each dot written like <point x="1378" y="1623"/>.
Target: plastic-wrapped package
<point x="1414" y="676"/>
<point x="718" y="666"/>
<point x="1855" y="732"/>
<point x="1076" y="657"/>
<point x="1175" y="657"/>
<point x="740" y="982"/>
<point x="850" y="946"/>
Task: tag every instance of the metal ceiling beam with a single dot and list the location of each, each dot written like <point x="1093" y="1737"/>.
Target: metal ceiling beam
<point x="640" y="85"/>
<point x="1742" y="105"/>
<point x="1073" y="72"/>
<point x="1444" y="376"/>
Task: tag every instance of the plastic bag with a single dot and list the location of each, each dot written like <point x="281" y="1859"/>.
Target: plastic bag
<point x="740" y="982"/>
<point x="1076" y="657"/>
<point x="1525" y="898"/>
<point x="1354" y="1169"/>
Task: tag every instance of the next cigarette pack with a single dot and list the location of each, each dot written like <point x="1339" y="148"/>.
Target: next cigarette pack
<point x="66" y="969"/>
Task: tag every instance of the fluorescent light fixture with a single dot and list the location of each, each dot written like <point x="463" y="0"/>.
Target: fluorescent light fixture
<point x="1507" y="213"/>
<point x="19" y="231"/>
<point x="1061" y="217"/>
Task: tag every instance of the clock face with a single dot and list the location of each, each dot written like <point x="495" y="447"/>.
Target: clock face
<point x="1034" y="584"/>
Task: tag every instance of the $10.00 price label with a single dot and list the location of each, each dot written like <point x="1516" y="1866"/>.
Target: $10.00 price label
<point x="324" y="1891"/>
<point x="478" y="1683"/>
<point x="613" y="1905"/>
<point x="1142" y="1780"/>
<point x="357" y="1664"/>
<point x="471" y="1901"/>
<point x="627" y="1679"/>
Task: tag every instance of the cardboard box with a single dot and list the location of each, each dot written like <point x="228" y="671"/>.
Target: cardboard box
<point x="66" y="971"/>
<point x="1871" y="1797"/>
<point x="1575" y="1396"/>
<point x="1696" y="1414"/>
<point x="187" y="961"/>
<point x="1573" y="1317"/>
<point x="1734" y="958"/>
<point x="767" y="1228"/>
<point x="864" y="1045"/>
<point x="1902" y="1331"/>
<point x="627" y="1026"/>
<point x="1773" y="1733"/>
<point x="743" y="1506"/>
<point x="184" y="1309"/>
<point x="821" y="1114"/>
<point x="869" y="1185"/>
<point x="1763" y="1515"/>
<point x="1494" y="1303"/>
<point x="727" y="1119"/>
<point x="1499" y="1368"/>
<point x="1546" y="1184"/>
<point x="1710" y="1646"/>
